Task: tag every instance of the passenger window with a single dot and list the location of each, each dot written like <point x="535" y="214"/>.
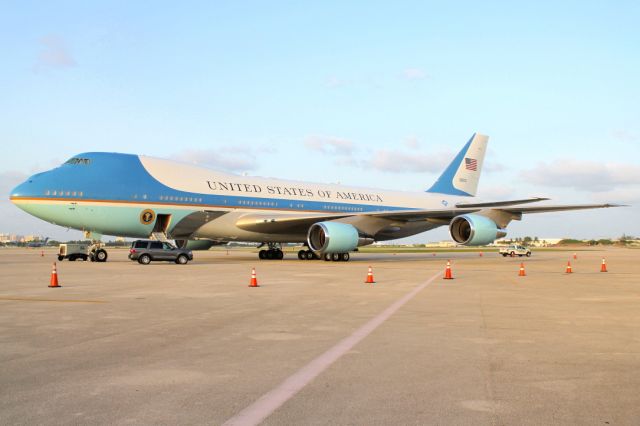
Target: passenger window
<point x="156" y="245"/>
<point x="141" y="244"/>
<point x="167" y="246"/>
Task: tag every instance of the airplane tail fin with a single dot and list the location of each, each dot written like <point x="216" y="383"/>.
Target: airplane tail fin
<point x="463" y="174"/>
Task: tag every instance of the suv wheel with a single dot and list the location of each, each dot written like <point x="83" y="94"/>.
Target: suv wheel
<point x="182" y="259"/>
<point x="144" y="259"/>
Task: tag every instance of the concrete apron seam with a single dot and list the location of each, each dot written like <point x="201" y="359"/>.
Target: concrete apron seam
<point x="275" y="398"/>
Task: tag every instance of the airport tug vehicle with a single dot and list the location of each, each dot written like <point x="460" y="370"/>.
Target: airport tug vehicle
<point x="85" y="251"/>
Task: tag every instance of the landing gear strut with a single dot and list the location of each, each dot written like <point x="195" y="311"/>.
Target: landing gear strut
<point x="274" y="252"/>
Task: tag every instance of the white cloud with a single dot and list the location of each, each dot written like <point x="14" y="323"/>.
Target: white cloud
<point x="237" y="159"/>
<point x="406" y="162"/>
<point x="54" y="53"/>
<point x="330" y="145"/>
<point x="496" y="192"/>
<point x="583" y="175"/>
<point x="491" y="167"/>
<point x="414" y="74"/>
<point x="630" y="196"/>
<point x="412" y="142"/>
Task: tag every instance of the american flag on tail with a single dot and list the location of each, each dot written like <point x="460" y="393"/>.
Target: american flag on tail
<point x="471" y="164"/>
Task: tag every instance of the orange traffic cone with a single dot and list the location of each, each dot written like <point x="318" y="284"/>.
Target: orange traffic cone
<point x="569" y="270"/>
<point x="575" y="256"/>
<point x="447" y="272"/>
<point x="522" y="273"/>
<point x="53" y="283"/>
<point x="603" y="267"/>
<point x="42" y="253"/>
<point x="369" y="279"/>
<point x="254" y="280"/>
<point x="480" y="254"/>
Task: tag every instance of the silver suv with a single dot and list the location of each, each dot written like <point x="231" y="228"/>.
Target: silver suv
<point x="144" y="251"/>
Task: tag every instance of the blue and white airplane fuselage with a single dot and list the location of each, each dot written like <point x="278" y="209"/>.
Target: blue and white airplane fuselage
<point x="135" y="196"/>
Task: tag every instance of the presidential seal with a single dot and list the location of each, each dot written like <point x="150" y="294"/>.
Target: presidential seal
<point x="147" y="216"/>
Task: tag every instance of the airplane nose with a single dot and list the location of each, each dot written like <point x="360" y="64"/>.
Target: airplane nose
<point x="21" y="190"/>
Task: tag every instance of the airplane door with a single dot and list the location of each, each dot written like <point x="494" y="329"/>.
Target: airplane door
<point x="162" y="223"/>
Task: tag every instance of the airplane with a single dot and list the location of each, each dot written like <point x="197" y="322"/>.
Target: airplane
<point x="145" y="197"/>
<point x="36" y="244"/>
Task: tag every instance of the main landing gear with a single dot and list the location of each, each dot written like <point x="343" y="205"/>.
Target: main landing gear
<point x="335" y="257"/>
<point x="307" y="255"/>
<point x="274" y="252"/>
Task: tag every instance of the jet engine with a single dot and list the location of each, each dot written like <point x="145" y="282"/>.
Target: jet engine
<point x="474" y="230"/>
<point x="196" y="244"/>
<point x="335" y="237"/>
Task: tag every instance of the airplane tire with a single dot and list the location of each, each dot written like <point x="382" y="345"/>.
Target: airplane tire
<point x="335" y="257"/>
<point x="279" y="255"/>
<point x="344" y="257"/>
<point x="327" y="257"/>
<point x="302" y="255"/>
<point x="262" y="254"/>
<point x="309" y="255"/>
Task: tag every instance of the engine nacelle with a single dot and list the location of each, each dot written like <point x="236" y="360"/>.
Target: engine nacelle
<point x="474" y="230"/>
<point x="196" y="244"/>
<point x="335" y="237"/>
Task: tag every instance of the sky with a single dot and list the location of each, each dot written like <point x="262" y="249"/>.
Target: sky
<point x="376" y="94"/>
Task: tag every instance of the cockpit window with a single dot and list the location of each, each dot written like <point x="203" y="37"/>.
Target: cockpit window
<point x="78" y="160"/>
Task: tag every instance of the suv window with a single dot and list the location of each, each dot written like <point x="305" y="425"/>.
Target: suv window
<point x="156" y="245"/>
<point x="167" y="246"/>
<point x="140" y="244"/>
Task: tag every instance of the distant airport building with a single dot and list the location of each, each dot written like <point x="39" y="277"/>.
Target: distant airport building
<point x="441" y="244"/>
<point x="540" y="242"/>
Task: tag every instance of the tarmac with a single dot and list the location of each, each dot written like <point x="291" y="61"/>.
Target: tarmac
<point x="122" y="343"/>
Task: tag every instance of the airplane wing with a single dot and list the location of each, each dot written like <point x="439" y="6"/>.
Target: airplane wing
<point x="299" y="223"/>
<point x="293" y="223"/>
<point x="547" y="209"/>
<point x="279" y="223"/>
<point x="417" y="215"/>
<point x="502" y="203"/>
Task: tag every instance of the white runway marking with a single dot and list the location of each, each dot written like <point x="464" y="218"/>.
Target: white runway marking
<point x="272" y="400"/>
